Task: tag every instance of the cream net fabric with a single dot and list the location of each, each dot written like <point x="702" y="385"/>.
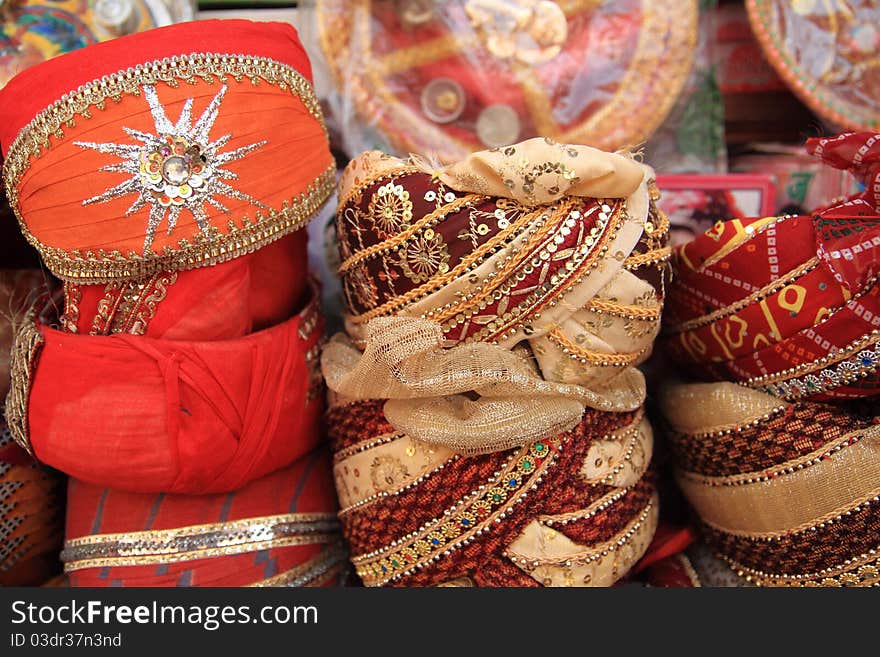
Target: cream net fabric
<point x="510" y="403"/>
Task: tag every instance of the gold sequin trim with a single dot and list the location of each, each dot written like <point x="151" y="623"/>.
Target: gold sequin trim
<point x="205" y="249"/>
<point x="199" y="541"/>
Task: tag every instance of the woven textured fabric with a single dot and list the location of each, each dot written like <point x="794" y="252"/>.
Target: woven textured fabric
<point x="485" y="405"/>
<point x="788" y="493"/>
<point x="31" y="517"/>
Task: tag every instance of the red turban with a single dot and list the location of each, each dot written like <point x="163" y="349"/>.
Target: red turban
<point x="184" y="367"/>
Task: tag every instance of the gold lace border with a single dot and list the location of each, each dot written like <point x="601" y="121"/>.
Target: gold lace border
<point x="863" y="570"/>
<point x="26" y="349"/>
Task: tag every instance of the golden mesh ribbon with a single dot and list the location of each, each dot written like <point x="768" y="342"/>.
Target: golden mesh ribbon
<point x="473" y="398"/>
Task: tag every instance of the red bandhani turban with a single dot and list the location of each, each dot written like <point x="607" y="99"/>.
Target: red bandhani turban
<point x="486" y="411"/>
<point x="788" y="305"/>
<point x="185" y="361"/>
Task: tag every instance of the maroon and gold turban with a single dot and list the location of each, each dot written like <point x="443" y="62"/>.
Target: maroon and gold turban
<point x="486" y="411"/>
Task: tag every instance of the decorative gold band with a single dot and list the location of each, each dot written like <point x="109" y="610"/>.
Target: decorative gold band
<point x="25" y="349"/>
<point x="199" y="541"/>
<point x="822" y="484"/>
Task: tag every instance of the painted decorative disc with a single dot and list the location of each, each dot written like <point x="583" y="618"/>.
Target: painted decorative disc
<point x="34" y="31"/>
<point x="454" y="77"/>
<point x="828" y="52"/>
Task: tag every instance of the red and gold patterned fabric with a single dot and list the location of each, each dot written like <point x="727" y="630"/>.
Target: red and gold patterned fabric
<point x="181" y="387"/>
<point x="789" y="305"/>
<point x="787" y="492"/>
<point x="491" y="432"/>
<point x="449" y="78"/>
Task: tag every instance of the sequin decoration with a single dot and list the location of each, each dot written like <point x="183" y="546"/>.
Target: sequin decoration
<point x="176" y="168"/>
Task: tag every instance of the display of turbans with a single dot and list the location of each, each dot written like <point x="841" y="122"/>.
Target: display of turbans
<point x="486" y="412"/>
<point x="191" y="436"/>
<point x="450" y="78"/>
<point x="780" y="457"/>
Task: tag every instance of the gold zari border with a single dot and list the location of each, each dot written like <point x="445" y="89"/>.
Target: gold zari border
<point x="206" y="249"/>
<point x="313" y="572"/>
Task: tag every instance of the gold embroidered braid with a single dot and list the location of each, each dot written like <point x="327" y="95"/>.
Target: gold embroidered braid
<point x="501" y="276"/>
<point x="25" y="350"/>
<point x="626" y="311"/>
<point x="369" y="181"/>
<point x="648" y="258"/>
<point x="600" y="358"/>
<point x="398" y="239"/>
<point x="556" y="290"/>
<point x="437" y="282"/>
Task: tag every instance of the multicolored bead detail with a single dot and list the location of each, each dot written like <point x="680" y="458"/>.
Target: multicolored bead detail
<point x="473" y="515"/>
<point x="858" y="366"/>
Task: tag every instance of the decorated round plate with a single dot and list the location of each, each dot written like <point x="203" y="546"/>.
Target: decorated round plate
<point x="448" y="78"/>
<point x="828" y="52"/>
<point x="37" y="30"/>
